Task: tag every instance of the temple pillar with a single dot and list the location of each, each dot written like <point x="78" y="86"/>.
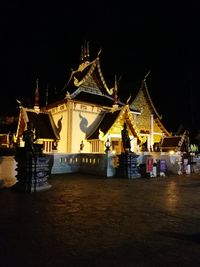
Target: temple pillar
<point x="32" y="170"/>
<point x="151" y="132"/>
<point x="128" y="166"/>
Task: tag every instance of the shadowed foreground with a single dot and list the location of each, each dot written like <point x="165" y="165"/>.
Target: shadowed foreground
<point x="84" y="220"/>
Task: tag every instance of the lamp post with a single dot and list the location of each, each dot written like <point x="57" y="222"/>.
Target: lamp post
<point x="107" y="145"/>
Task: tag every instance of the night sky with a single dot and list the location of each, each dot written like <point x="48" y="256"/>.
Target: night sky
<point x="43" y="40"/>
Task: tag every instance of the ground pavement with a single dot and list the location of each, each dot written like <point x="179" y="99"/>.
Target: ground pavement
<point x="85" y="220"/>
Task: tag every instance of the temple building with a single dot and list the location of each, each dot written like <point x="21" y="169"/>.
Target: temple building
<point x="89" y="112"/>
<point x="149" y="121"/>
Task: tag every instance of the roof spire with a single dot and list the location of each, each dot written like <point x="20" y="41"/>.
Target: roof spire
<point x="36" y="106"/>
<point x="88" y="51"/>
<point x="85" y="55"/>
<point x="115" y="91"/>
<point x="115" y="105"/>
<point x="85" y="50"/>
<point x="82" y="54"/>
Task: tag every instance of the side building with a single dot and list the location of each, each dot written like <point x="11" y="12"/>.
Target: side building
<point x="149" y="122"/>
<point x="42" y="124"/>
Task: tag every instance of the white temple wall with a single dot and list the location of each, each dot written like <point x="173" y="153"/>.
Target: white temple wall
<point x="62" y="143"/>
<point x="78" y="120"/>
<point x="84" y="118"/>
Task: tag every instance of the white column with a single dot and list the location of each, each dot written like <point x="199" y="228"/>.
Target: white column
<point x="151" y="132"/>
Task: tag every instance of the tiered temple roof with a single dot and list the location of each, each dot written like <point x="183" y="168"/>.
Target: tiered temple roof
<point x="87" y="83"/>
<point x="144" y="103"/>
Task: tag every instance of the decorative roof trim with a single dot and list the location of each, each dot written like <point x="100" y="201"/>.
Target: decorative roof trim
<point x="95" y="63"/>
<point x="150" y="100"/>
<point x="126" y="114"/>
<point x="91" y="70"/>
<point x="131" y="124"/>
<point x="54" y="127"/>
<point x="102" y="114"/>
<point x="159" y="123"/>
<point x="19" y="122"/>
<point x="109" y="91"/>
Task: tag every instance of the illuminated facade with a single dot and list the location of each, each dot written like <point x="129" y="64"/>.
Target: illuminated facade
<point x="91" y="113"/>
<point x="149" y="121"/>
<point x="88" y="113"/>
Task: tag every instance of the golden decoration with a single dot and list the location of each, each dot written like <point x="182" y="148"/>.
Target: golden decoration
<point x="102" y="137"/>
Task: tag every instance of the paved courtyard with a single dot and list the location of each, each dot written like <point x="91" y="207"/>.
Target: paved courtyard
<point x="84" y="220"/>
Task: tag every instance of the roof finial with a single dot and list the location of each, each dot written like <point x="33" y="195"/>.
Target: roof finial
<point x="19" y="103"/>
<point x="115" y="105"/>
<point x="100" y="51"/>
<point x="36" y="106"/>
<point x="146" y="75"/>
<point x="127" y="101"/>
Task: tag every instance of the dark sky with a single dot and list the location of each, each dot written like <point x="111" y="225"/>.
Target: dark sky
<point x="43" y="40"/>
